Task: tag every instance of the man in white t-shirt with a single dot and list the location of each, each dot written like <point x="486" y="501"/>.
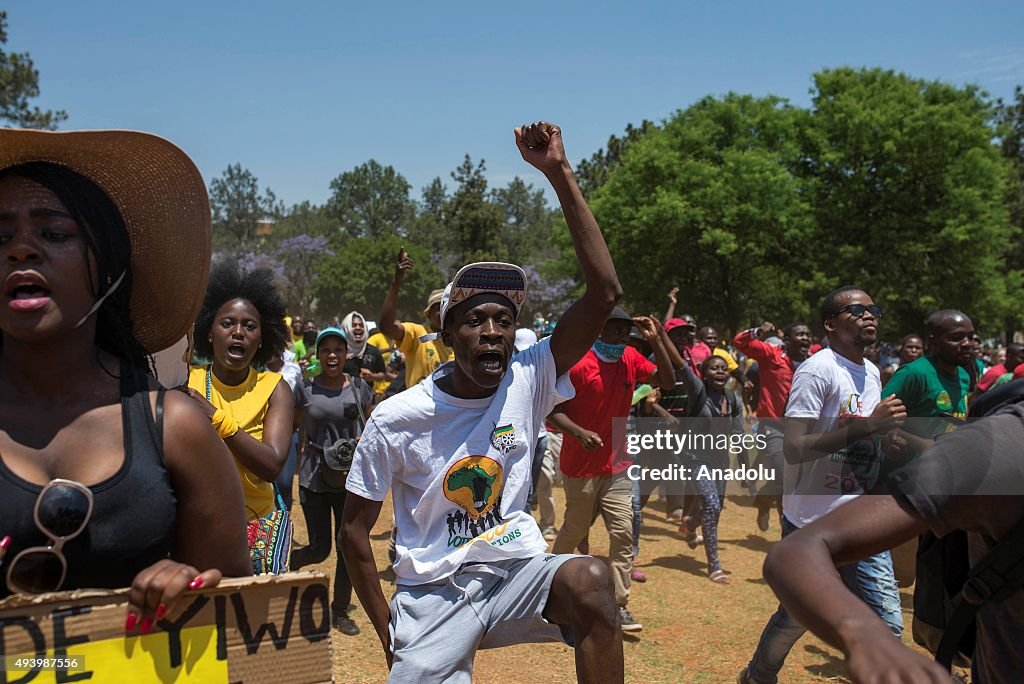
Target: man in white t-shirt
<point x="834" y="419"/>
<point x="456" y="452"/>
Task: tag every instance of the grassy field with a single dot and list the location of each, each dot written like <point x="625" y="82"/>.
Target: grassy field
<point x="694" y="630"/>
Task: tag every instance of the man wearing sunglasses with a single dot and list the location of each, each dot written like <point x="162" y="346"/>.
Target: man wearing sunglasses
<point x="834" y="418"/>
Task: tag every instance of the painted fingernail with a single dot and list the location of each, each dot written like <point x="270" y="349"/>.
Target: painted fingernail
<point x="5" y="542"/>
<point x="147" y="624"/>
<point x="196" y="583"/>
<point x="129" y="624"/>
<point x="161" y="610"/>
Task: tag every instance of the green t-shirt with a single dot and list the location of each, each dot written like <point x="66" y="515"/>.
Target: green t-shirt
<point x="927" y="392"/>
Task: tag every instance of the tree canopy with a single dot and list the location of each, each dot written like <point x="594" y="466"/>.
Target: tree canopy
<point x="19" y="84"/>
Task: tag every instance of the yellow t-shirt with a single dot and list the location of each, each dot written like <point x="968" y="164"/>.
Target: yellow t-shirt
<point x="421" y="358"/>
<point x="247" y="403"/>
<point x="381" y="342"/>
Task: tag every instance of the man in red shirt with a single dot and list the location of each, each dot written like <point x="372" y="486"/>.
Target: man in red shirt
<point x="593" y="463"/>
<point x="1014" y="356"/>
<point x="776" y="366"/>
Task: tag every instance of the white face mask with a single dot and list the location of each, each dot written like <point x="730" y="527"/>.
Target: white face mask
<point x="99" y="302"/>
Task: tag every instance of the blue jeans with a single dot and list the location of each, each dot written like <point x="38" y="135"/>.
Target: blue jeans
<point x="638" y="517"/>
<point x="871" y="579"/>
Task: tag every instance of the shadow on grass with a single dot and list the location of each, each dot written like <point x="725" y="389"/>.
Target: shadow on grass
<point x="684" y="563"/>
<point x="833" y="668"/>
<point x="754" y="542"/>
<point x="758" y="580"/>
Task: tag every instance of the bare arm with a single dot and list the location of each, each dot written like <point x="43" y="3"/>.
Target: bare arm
<point x="388" y="323"/>
<point x="670" y="312"/>
<point x="800" y="445"/>
<point x="358" y="519"/>
<point x="209" y="538"/>
<point x="588" y="438"/>
<point x="266" y="458"/>
<point x="801" y="569"/>
<point x="663" y="376"/>
<point x="541" y="146"/>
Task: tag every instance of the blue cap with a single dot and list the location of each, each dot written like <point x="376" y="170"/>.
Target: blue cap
<point x="327" y="332"/>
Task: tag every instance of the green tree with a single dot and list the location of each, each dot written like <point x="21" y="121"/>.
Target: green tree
<point x="305" y="218"/>
<point x="475" y="222"/>
<point x="371" y="201"/>
<point x="429" y="229"/>
<point x="528" y="221"/>
<point x="238" y="208"/>
<point x="19" y="83"/>
<point x="357" y="277"/>
<point x="593" y="173"/>
<point x="709" y="202"/>
<point x="910" y="192"/>
<point x="1011" y="133"/>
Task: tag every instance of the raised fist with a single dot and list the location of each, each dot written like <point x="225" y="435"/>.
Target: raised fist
<point x="402" y="264"/>
<point x="541" y="146"/>
<point x="766" y="330"/>
<point x="672" y="295"/>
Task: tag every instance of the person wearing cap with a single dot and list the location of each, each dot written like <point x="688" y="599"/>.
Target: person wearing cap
<point x="332" y="406"/>
<point x="456" y="452"/>
<point x="594" y="465"/>
<point x="240" y="327"/>
<point x="423" y="351"/>
<point x="92" y="228"/>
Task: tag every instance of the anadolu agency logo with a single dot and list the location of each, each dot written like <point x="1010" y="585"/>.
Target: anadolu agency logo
<point x="474" y="484"/>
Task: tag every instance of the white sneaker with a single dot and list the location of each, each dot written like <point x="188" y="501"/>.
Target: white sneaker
<point x="550" y="534"/>
<point x="627" y="621"/>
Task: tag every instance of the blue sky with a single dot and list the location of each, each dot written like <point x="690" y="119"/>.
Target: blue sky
<point x="300" y="93"/>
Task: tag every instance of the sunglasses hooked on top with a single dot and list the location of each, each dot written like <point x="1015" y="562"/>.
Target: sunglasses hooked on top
<point x="62" y="512"/>
<point x="858" y="310"/>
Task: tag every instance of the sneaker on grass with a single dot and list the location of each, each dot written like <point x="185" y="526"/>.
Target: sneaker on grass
<point x="628" y="622"/>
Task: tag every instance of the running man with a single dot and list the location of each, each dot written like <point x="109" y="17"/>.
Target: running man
<point x="471" y="569"/>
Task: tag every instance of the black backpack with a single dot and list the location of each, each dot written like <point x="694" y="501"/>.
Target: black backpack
<point x="948" y="593"/>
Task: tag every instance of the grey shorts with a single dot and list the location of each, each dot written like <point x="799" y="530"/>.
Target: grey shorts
<point x="436" y="629"/>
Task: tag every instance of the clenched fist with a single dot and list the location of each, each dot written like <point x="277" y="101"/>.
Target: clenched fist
<point x="541" y="146"/>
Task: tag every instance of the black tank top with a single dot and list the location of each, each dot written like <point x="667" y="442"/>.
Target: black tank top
<point x="133" y="519"/>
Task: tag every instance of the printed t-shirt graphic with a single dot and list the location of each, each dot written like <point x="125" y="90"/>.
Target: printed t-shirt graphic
<point x="832" y="390"/>
<point x="459" y="469"/>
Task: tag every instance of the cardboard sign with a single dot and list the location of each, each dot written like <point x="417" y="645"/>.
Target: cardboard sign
<point x="262" y="629"/>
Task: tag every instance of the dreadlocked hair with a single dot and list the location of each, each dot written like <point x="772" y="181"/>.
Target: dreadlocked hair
<point x="106" y="244"/>
<point x="229" y="281"/>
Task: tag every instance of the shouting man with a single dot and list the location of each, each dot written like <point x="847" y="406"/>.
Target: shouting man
<point x="457" y="449"/>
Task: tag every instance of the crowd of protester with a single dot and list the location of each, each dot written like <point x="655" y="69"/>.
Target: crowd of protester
<point x="344" y="409"/>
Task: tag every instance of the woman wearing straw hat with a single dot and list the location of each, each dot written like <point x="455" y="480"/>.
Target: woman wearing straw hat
<point x="114" y="481"/>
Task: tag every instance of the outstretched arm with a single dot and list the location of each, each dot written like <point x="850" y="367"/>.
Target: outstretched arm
<point x="671" y="310"/>
<point x="801" y="569"/>
<point x="541" y="146"/>
<point x="388" y="324"/>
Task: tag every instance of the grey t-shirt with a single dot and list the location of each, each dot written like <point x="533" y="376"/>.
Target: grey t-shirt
<point x="973" y="479"/>
<point x="328" y="415"/>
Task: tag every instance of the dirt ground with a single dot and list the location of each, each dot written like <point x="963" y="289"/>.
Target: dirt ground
<point x="694" y="630"/>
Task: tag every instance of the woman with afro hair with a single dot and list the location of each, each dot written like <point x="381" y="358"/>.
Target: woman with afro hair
<point x="240" y="327"/>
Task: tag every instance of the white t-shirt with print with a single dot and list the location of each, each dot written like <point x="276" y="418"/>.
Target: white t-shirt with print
<point x="831" y="389"/>
<point x="459" y="469"/>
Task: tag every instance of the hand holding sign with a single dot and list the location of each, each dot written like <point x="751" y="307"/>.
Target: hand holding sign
<point x="158" y="588"/>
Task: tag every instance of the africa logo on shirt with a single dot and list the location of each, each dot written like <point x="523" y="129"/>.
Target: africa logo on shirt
<point x="474" y="483"/>
<point x="943" y="402"/>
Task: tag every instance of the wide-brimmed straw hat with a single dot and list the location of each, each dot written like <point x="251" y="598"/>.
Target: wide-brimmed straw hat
<point x="162" y="199"/>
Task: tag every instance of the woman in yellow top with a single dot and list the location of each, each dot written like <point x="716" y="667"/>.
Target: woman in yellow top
<point x="240" y="327"/>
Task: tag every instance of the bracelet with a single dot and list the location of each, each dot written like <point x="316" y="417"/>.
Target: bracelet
<point x="224" y="424"/>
